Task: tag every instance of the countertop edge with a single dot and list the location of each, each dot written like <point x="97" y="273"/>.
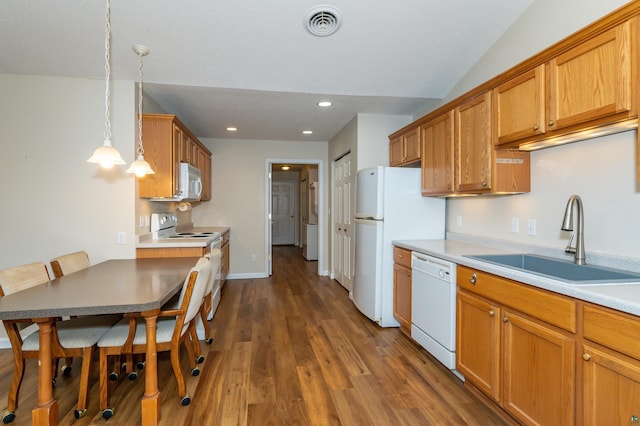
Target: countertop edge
<point x="622" y="297"/>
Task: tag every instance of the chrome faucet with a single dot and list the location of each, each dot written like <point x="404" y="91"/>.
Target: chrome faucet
<point x="567" y="225"/>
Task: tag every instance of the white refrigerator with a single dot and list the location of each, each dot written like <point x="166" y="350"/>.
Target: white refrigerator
<point x="389" y="206"/>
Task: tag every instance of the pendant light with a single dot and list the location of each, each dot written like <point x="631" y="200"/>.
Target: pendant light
<point x="140" y="167"/>
<point x="106" y="155"/>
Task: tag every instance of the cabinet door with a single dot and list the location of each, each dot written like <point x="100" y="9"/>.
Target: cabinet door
<point x="474" y="147"/>
<point x="411" y="146"/>
<point x="224" y="265"/>
<point x="437" y="156"/>
<point x="204" y="165"/>
<point x="478" y="342"/>
<point x="396" y="151"/>
<point x="520" y="106"/>
<point x="158" y="151"/>
<point x="611" y="388"/>
<point x="592" y="80"/>
<point x="538" y="372"/>
<point x="179" y="156"/>
<point x="402" y="297"/>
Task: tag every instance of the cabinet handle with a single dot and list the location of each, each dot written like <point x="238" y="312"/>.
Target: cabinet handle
<point x="536" y="127"/>
<point x="505" y="319"/>
<point x="484" y="184"/>
<point x="473" y="279"/>
<point x="634" y="420"/>
<point x="491" y="313"/>
<point x="551" y="122"/>
<point x="586" y="357"/>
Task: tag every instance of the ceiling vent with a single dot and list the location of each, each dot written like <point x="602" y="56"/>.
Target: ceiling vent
<point x="323" y="20"/>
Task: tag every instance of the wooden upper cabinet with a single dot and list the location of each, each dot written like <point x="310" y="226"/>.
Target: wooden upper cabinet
<point x="404" y="149"/>
<point x="437" y="155"/>
<point x="520" y="106"/>
<point x="396" y="151"/>
<point x="167" y="143"/>
<point x="412" y="145"/>
<point x="473" y="144"/>
<point x="593" y="80"/>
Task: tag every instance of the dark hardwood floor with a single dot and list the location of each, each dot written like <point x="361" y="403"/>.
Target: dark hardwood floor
<point x="289" y="350"/>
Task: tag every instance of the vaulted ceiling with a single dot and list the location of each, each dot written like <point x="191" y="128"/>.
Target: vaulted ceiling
<point x="253" y="64"/>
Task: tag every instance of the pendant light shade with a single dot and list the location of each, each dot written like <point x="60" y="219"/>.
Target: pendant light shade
<point x="140" y="167"/>
<point x="106" y="155"/>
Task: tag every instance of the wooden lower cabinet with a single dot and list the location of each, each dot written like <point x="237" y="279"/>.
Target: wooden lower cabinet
<point x="478" y="342"/>
<point x="224" y="262"/>
<point x="526" y="365"/>
<point x="538" y="372"/>
<point x="610" y="367"/>
<point x="402" y="288"/>
<point x="611" y="388"/>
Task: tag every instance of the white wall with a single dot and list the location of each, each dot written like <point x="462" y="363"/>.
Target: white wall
<point x="54" y="201"/>
<point x="373" y="138"/>
<point x="238" y="195"/>
<point x="602" y="171"/>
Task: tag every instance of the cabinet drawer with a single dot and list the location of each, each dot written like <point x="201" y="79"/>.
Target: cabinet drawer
<point x="613" y="329"/>
<point x="402" y="256"/>
<point x="551" y="308"/>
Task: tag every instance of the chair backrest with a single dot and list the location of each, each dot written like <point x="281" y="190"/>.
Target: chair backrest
<point x="23" y="277"/>
<point x="70" y="263"/>
<point x="215" y="258"/>
<point x="194" y="291"/>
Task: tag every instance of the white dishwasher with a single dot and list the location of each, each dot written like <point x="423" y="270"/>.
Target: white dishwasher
<point x="433" y="307"/>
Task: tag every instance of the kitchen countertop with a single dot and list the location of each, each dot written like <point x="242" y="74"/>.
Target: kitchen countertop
<point x="623" y="297"/>
<point x="146" y="241"/>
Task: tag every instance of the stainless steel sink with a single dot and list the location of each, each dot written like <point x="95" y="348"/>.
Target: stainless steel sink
<point x="560" y="269"/>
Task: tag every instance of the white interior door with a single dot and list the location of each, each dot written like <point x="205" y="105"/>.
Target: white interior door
<point x="343" y="235"/>
<point x="283" y="204"/>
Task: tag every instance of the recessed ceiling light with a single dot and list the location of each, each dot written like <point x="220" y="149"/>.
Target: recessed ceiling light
<point x="232" y="129"/>
<point x="285" y="168"/>
<point x="324" y="104"/>
<point x="307" y="132"/>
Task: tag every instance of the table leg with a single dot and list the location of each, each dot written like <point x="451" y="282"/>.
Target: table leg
<point x="151" y="398"/>
<point x="46" y="411"/>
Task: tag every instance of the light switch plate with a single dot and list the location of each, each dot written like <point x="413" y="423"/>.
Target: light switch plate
<point x="515" y="225"/>
<point x="531" y="227"/>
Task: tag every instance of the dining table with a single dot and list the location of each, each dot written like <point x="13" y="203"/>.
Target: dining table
<point x="116" y="286"/>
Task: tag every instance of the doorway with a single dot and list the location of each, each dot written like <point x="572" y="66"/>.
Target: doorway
<point x="283" y="201"/>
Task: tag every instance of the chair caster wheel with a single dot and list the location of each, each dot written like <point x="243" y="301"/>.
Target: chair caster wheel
<point x="185" y="400"/>
<point x="8" y="417"/>
<point x="79" y="413"/>
<point x="133" y="375"/>
<point x="195" y="371"/>
<point x="113" y="376"/>
<point x="140" y="365"/>
<point x="107" y="413"/>
<point x="66" y="369"/>
<point x="199" y="359"/>
<point x="209" y="340"/>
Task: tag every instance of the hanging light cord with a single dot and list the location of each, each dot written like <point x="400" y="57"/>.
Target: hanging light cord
<point x="140" y="150"/>
<point x="107" y="71"/>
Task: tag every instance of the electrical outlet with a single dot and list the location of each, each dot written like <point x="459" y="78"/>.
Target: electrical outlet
<point x="459" y="221"/>
<point x="142" y="222"/>
<point x="515" y="225"/>
<point x="531" y="227"/>
<point x="121" y="237"/>
<point x="253" y="257"/>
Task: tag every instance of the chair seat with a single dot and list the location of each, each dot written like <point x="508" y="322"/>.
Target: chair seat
<point x="117" y="335"/>
<point x="75" y="333"/>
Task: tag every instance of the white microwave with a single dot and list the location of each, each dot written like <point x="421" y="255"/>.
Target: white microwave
<point x="190" y="183"/>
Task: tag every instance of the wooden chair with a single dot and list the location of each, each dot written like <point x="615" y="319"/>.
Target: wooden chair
<point x="76" y="337"/>
<point x="174" y="327"/>
<point x="70" y="263"/>
<point x="65" y="265"/>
